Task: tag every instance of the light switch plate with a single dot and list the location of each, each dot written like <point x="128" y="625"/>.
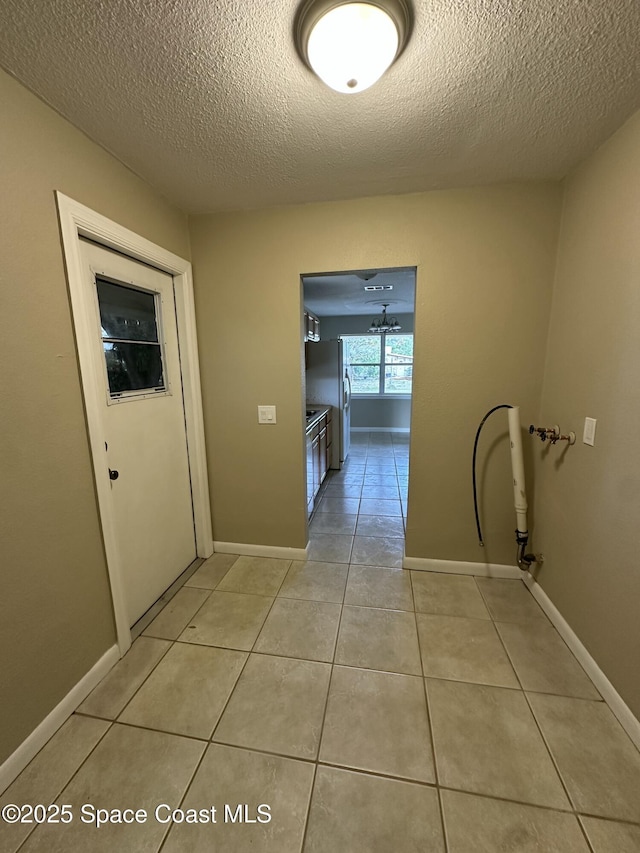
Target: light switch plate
<point x="589" y="435"/>
<point x="266" y="414"/>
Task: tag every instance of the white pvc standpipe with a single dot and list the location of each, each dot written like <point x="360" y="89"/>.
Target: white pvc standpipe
<point x="517" y="468"/>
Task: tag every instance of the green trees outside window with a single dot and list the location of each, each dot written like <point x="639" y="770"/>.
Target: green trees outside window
<point x="380" y="364"/>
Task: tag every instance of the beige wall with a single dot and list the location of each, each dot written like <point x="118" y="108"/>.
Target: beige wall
<point x="484" y="259"/>
<point x="588" y="498"/>
<point x="55" y="607"/>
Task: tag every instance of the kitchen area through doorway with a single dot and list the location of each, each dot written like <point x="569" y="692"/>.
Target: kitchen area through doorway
<point x="358" y="377"/>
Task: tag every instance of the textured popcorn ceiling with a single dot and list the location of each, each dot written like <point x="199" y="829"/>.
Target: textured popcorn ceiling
<point x="210" y="103"/>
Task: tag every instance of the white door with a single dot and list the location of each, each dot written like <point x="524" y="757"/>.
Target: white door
<point x="137" y="368"/>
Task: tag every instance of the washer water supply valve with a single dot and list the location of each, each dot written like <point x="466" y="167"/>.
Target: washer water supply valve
<point x="552" y="434"/>
<point x="519" y="495"/>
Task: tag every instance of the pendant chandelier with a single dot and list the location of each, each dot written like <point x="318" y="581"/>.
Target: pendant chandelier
<point x="384" y="323"/>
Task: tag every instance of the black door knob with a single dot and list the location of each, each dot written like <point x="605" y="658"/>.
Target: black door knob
<point x="113" y="475"/>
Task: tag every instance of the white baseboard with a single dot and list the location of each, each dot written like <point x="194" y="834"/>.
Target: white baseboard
<point x="17" y="761"/>
<point x="249" y="550"/>
<point x="381" y="429"/>
<point x="455" y="567"/>
<point x="616" y="703"/>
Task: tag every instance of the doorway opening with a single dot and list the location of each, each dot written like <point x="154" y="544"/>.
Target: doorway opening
<point x="358" y="381"/>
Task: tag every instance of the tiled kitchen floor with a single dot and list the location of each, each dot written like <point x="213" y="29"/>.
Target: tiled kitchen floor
<point x="373" y="709"/>
<point x="360" y="516"/>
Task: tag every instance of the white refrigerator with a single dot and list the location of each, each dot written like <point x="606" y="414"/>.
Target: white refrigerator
<point x="329" y="384"/>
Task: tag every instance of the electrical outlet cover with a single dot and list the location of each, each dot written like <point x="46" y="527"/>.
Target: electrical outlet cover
<point x="589" y="435"/>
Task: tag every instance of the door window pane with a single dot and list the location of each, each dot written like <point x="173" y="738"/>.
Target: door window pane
<point x="132" y="351"/>
<point x="126" y="314"/>
<point x="133" y="367"/>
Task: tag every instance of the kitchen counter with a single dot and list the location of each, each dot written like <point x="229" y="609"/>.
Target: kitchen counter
<point x="315" y="414"/>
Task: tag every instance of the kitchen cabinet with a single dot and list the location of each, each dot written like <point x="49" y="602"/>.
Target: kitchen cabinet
<point x="318" y="452"/>
<point x="310" y="492"/>
<point x="311" y="327"/>
<point x="322" y="453"/>
<point x="315" y="450"/>
<point x="329" y="442"/>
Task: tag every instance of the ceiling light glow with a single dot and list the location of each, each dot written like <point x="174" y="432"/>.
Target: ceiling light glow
<point x="350" y="45"/>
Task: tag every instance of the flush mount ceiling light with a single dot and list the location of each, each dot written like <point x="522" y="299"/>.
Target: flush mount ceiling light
<point x="384" y="323"/>
<point x="350" y="45"/>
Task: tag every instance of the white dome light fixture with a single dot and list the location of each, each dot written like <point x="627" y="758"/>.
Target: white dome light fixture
<point x="350" y="45"/>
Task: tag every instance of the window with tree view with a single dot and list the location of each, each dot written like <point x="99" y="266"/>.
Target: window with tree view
<point x="380" y="364"/>
<point x="132" y="349"/>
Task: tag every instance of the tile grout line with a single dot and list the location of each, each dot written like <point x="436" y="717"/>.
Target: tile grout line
<point x="171" y="644"/>
<point x="350" y="666"/>
<point x="193" y="615"/>
<point x="171" y="732"/>
<point x="574" y="806"/>
<point x="569" y="812"/>
<point x="566" y="645"/>
<point x="445" y="834"/>
<point x="622" y="820"/>
<point x="335" y="647"/>
<point x="206" y="645"/>
<point x="554" y="763"/>
<point x="324" y="713"/>
<point x="305" y="828"/>
<point x="248" y="653"/>
<point x="185" y="794"/>
<point x="226" y="704"/>
<point x="210" y="741"/>
<point x="326" y="707"/>
<point x="429" y="720"/>
<point x="69" y="780"/>
<point x="144" y="680"/>
<point x="380" y="774"/>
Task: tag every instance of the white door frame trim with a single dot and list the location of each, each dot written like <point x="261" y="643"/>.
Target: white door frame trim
<point x="77" y="221"/>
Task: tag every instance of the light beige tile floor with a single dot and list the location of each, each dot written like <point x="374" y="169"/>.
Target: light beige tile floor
<point x="175" y="616"/>
<point x="344" y="707"/>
